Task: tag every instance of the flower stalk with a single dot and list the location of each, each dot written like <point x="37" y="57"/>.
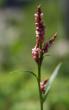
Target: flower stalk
<point x="38" y="52"/>
<point x="40" y="92"/>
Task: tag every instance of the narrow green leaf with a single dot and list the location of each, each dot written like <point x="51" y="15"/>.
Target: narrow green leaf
<point x="31" y="73"/>
<point x="51" y="79"/>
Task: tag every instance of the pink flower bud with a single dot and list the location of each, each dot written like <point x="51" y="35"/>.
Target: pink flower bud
<point x="36" y="52"/>
<point x="43" y="85"/>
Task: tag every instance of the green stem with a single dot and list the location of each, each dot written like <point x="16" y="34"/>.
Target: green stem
<point x="40" y="93"/>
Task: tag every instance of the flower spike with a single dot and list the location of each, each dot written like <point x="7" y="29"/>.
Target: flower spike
<point x="49" y="43"/>
<point x="40" y="48"/>
<point x="40" y="29"/>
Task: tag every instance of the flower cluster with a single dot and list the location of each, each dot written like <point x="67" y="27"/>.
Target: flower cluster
<point x="49" y="43"/>
<point x="39" y="27"/>
<point x="40" y="48"/>
<point x="43" y="85"/>
<point x="36" y="52"/>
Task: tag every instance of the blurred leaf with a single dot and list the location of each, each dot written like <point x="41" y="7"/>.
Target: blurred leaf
<point x="52" y="78"/>
<point x="31" y="73"/>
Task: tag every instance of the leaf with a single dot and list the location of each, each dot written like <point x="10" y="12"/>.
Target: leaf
<point x="51" y="79"/>
<point x="31" y="73"/>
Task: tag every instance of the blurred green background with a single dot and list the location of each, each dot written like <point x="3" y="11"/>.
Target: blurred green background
<point x="18" y="90"/>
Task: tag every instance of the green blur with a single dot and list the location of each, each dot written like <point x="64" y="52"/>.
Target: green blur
<point x="18" y="90"/>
